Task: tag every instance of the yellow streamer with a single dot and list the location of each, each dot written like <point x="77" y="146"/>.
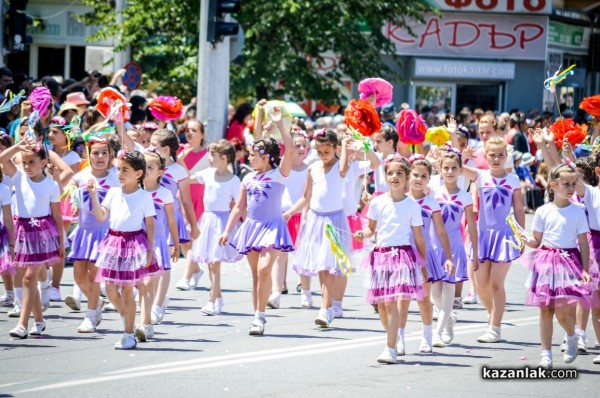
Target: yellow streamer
<point x="337" y="250"/>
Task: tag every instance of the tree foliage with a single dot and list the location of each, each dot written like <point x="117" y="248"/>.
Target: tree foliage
<point x="284" y="42"/>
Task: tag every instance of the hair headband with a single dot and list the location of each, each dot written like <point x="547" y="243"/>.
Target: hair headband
<point x="414" y="157"/>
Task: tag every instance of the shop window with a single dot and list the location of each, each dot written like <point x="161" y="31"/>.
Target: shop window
<point x="484" y="96"/>
<point x="436" y="97"/>
<point x="51" y="61"/>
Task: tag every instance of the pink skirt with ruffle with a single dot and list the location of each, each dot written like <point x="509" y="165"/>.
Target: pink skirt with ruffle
<point x="6" y="265"/>
<point x="36" y="242"/>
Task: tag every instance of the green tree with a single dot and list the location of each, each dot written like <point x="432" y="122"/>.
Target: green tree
<point x="284" y="41"/>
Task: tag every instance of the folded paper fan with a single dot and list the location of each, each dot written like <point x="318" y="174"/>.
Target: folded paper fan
<point x="568" y="129"/>
<point x="268" y="110"/>
<point x="591" y="105"/>
<point x="437" y="135"/>
<point x="361" y="116"/>
<point x="108" y="100"/>
<point x="166" y="108"/>
<point x="411" y="127"/>
<point x="378" y="87"/>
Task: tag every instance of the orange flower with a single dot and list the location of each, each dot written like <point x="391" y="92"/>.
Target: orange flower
<point x="108" y="96"/>
<point x="568" y="129"/>
<point x="166" y="108"/>
<point x="361" y="116"/>
<point x="591" y="105"/>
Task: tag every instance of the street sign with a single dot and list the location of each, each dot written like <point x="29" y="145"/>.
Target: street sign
<point x="133" y="76"/>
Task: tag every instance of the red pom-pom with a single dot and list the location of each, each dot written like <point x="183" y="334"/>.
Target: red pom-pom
<point x="361" y="116"/>
<point x="411" y="127"/>
<point x="108" y="96"/>
<point x="166" y="108"/>
<point x="591" y="105"/>
<point x="568" y="129"/>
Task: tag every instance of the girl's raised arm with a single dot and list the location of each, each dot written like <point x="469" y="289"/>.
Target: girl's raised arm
<point x="286" y="162"/>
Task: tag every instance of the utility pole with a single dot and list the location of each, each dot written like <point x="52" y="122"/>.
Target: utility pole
<point x="122" y="57"/>
<point x="213" y="75"/>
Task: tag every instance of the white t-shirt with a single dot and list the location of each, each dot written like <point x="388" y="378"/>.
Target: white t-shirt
<point x="217" y="194"/>
<point x="353" y="185"/>
<point x="560" y="226"/>
<point x="294" y="188"/>
<point x="33" y="198"/>
<point x="379" y="176"/>
<point x="394" y="219"/>
<point x="5" y="199"/>
<point x="591" y="199"/>
<point x="128" y="210"/>
<point x="326" y="188"/>
<point x="71" y="158"/>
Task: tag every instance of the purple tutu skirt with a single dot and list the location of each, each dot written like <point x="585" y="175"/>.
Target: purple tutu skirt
<point x="314" y="254"/>
<point x="6" y="266"/>
<point x="122" y="259"/>
<point x="555" y="278"/>
<point x="392" y="275"/>
<point x="162" y="254"/>
<point x="594" y="243"/>
<point x="459" y="257"/>
<point x="36" y="242"/>
<point x="256" y="235"/>
<point x="493" y="245"/>
<point x="206" y="248"/>
<point x="184" y="235"/>
<point x="435" y="270"/>
<point x="85" y="243"/>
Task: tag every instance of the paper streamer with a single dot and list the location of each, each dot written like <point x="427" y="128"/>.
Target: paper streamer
<point x="551" y="82"/>
<point x="12" y="100"/>
<point x="337" y="250"/>
<point x="520" y="235"/>
<point x="34" y="117"/>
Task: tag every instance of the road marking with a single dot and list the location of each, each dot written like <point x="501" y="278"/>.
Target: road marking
<point x="255" y="356"/>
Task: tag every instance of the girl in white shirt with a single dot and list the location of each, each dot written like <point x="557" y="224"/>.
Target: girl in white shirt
<point x="393" y="273"/>
<point x="559" y="270"/>
<point x="220" y="193"/>
<point x="38" y="242"/>
<point x="125" y="255"/>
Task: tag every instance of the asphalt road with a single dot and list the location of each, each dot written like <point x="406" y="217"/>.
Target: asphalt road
<point x="194" y="354"/>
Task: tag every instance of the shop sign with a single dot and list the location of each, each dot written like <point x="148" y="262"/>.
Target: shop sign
<point x="561" y="34"/>
<point x="473" y="36"/>
<point x="541" y="7"/>
<point x="464" y="69"/>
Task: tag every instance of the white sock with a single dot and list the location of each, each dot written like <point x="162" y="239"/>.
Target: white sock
<point x="10" y="293"/>
<point x="44" y="285"/>
<point x="428" y="333"/>
<point x="18" y="295"/>
<point x="547" y="353"/>
<point x="337" y="304"/>
<point x="579" y="331"/>
<point x="261" y="314"/>
<point x="91" y="314"/>
<point x="573" y="337"/>
<point x="401" y="333"/>
<point x="306" y="292"/>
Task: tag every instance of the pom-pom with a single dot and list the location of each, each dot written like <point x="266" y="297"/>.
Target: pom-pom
<point x="166" y="108"/>
<point x="361" y="116"/>
<point x="375" y="86"/>
<point x="437" y="135"/>
<point x="591" y="105"/>
<point x="108" y="99"/>
<point x="411" y="127"/>
<point x="41" y="100"/>
<point x="265" y="117"/>
<point x="569" y="130"/>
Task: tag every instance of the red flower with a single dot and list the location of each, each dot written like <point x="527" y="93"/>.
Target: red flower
<point x="361" y="116"/>
<point x="411" y="127"/>
<point x="591" y="105"/>
<point x="568" y="129"/>
<point x="108" y="96"/>
<point x="166" y="108"/>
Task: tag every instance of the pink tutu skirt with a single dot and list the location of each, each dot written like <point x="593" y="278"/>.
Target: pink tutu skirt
<point x="555" y="278"/>
<point x="293" y="225"/>
<point x="36" y="242"/>
<point x="6" y="266"/>
<point x="392" y="275"/>
<point x="122" y="259"/>
<point x="206" y="248"/>
<point x="314" y="254"/>
<point x="594" y="242"/>
<point x="66" y="209"/>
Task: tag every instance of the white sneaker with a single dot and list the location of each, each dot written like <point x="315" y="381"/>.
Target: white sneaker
<point x="258" y="327"/>
<point x="582" y="344"/>
<point x="19" y="332"/>
<point x="44" y="297"/>
<point x="492" y="335"/>
<point x="571" y="351"/>
<point x="144" y="332"/>
<point x="73" y="303"/>
<point x="400" y="347"/>
<point x="458" y="304"/>
<point x="388" y="356"/>
<point x="448" y="332"/>
<point x="274" y="300"/>
<point x="7" y="300"/>
<point x="338" y="310"/>
<point x="470" y="299"/>
<point x="55" y="294"/>
<point x="195" y="279"/>
<point x="127" y="342"/>
<point x="323" y="320"/>
<point x="110" y="307"/>
<point x="87" y="326"/>
<point x="425" y="347"/>
<point x="596" y="360"/>
<point x="98" y="315"/>
<point x="306" y="300"/>
<point x="15" y="312"/>
<point x="208" y="309"/>
<point x="183" y="284"/>
<point x="437" y="341"/>
<point x="157" y="314"/>
<point x="546" y="362"/>
<point x="219" y="303"/>
<point x="37" y="328"/>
